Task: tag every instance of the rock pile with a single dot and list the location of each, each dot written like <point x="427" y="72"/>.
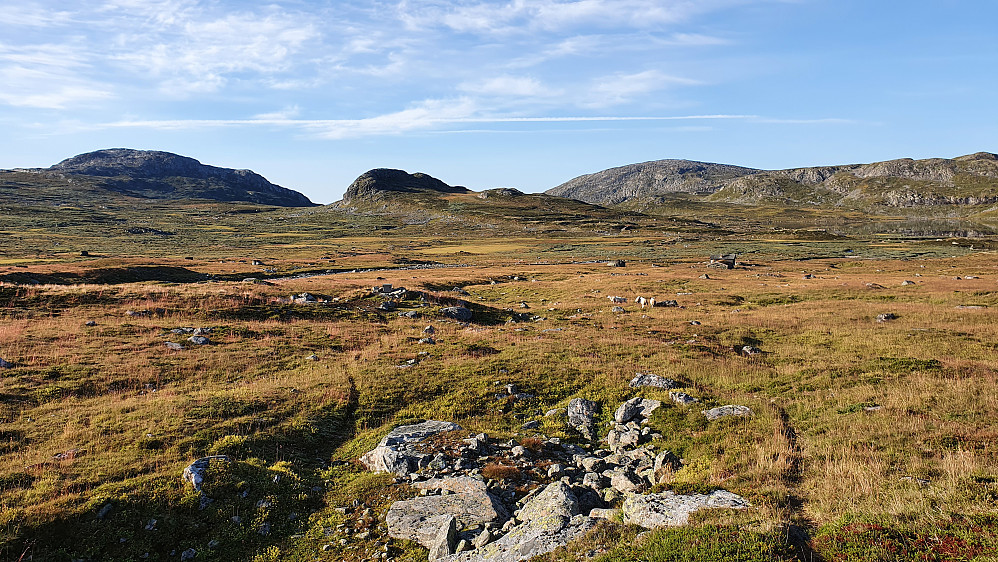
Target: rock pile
<point x="487" y="501"/>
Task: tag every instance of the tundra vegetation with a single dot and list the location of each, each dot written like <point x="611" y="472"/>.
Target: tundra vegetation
<point x="871" y="376"/>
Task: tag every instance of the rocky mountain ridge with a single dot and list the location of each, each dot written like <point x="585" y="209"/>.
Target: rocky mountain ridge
<point x="151" y="174"/>
<point x="905" y="182"/>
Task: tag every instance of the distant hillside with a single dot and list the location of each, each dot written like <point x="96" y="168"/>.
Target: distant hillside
<point x="376" y="183"/>
<point x="420" y="199"/>
<point x="878" y="187"/>
<point x="649" y="179"/>
<point x="144" y="174"/>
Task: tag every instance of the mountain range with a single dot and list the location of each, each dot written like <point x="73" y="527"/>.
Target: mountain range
<point x="880" y="186"/>
<point x="966" y="184"/>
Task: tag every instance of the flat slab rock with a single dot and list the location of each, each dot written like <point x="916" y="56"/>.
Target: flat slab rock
<point x="394" y="452"/>
<point x="671" y="510"/>
<point x="727" y="411"/>
<point x="420" y="519"/>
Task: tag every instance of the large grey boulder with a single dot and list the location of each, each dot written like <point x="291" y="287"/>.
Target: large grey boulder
<point x="469" y="503"/>
<point x="580" y="416"/>
<point x="396" y="453"/>
<point x="196" y="472"/>
<point x="459" y="313"/>
<point x="727" y="411"/>
<point x="649" y="379"/>
<point x="549" y="520"/>
<point x="668" y="509"/>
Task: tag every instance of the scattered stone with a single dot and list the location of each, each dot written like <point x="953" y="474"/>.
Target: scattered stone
<point x="874" y="286"/>
<point x="682" y="398"/>
<point x="580" y="416"/>
<point x="312" y="357"/>
<point x="429" y="330"/>
<point x="196" y="471"/>
<point x="6" y="364"/>
<point x="668" y="509"/>
<point x="533" y="424"/>
<point x="649" y="379"/>
<point x="135" y="314"/>
<point x="886" y="317"/>
<point x="395" y="452"/>
<point x="188" y="554"/>
<point x="617" y="309"/>
<point x="387" y="306"/>
<point x="705" y="276"/>
<point x="428" y="341"/>
<point x="750" y="350"/>
<point x="920" y="481"/>
<point x="667" y="304"/>
<point x="174" y="346"/>
<point x="199" y="340"/>
<point x="726" y="411"/>
<point x="459" y="313"/>
<point x="105" y="510"/>
<point x="694" y="323"/>
<point x="411" y="314"/>
<point x="90" y="323"/>
<point x="617" y="263"/>
<point x="304" y="298"/>
<point x="906" y="283"/>
<point x="554" y="412"/>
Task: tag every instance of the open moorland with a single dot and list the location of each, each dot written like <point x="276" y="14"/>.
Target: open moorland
<point x="266" y="340"/>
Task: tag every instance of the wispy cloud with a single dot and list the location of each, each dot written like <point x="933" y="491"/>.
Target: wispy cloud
<point x="46" y="77"/>
<point x="623" y="88"/>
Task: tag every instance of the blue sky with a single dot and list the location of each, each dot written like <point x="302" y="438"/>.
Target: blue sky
<point x="518" y="93"/>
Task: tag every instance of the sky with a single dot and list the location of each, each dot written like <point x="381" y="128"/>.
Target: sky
<point x="509" y="93"/>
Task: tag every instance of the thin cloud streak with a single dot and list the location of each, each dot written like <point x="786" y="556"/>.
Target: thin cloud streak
<point x="421" y="119"/>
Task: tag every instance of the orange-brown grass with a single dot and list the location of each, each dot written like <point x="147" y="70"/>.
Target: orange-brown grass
<point x="845" y="408"/>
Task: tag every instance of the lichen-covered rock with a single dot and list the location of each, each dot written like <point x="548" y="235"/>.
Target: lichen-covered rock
<point x="550" y="520"/>
<point x="682" y="398"/>
<point x="395" y="452"/>
<point x="649" y="379"/>
<point x="445" y="540"/>
<point x="635" y="407"/>
<point x="727" y="411"/>
<point x="580" y="416"/>
<point x="470" y="504"/>
<point x="668" y="509"/>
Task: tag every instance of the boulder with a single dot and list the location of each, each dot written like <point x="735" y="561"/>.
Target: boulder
<point x="580" y="416"/>
<point x="395" y="452"/>
<point x="459" y="313"/>
<point x="418" y="519"/>
<point x="750" y="350"/>
<point x="727" y="411"/>
<point x="649" y="379"/>
<point x="556" y="499"/>
<point x="635" y="407"/>
<point x="199" y="340"/>
<point x="445" y="541"/>
<point x="196" y="471"/>
<point x="626" y="482"/>
<point x="668" y="509"/>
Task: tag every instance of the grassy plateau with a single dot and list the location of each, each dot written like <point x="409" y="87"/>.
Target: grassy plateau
<point x="871" y="440"/>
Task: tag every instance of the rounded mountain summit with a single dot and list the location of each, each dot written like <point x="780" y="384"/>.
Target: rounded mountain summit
<point x="153" y="174"/>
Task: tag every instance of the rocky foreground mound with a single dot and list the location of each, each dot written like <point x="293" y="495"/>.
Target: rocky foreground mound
<point x="482" y="500"/>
